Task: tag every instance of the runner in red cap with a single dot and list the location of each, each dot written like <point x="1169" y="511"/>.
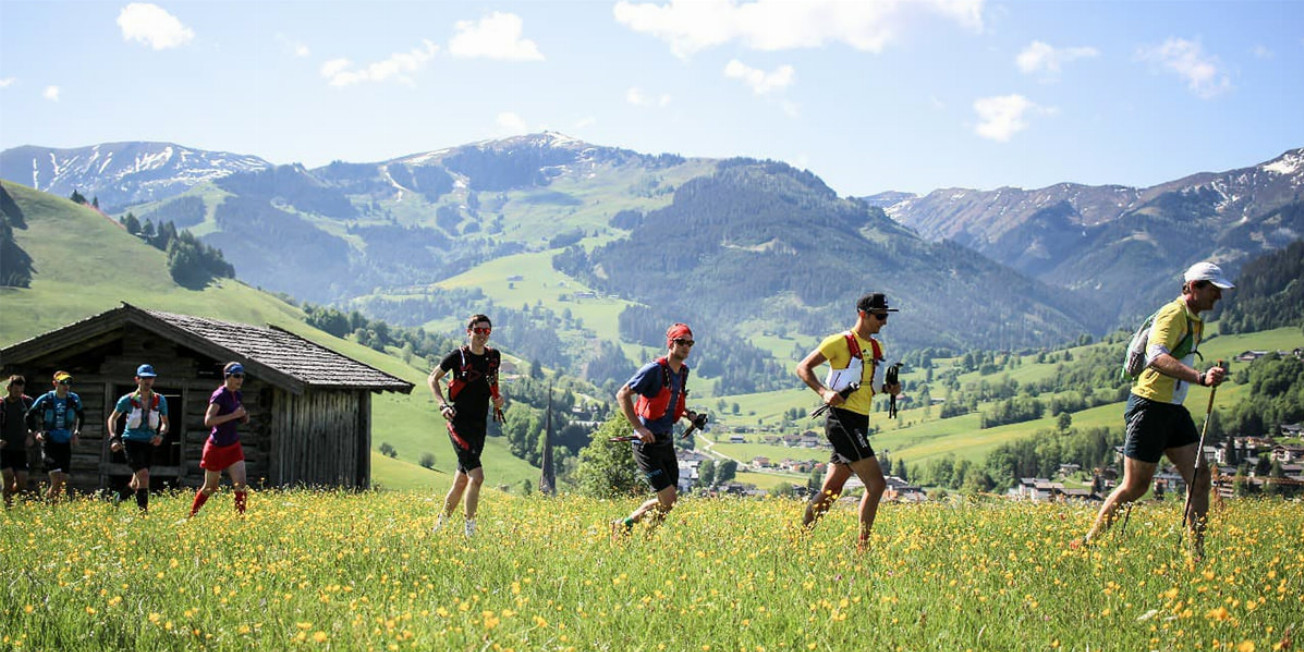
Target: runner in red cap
<point x="661" y="387"/>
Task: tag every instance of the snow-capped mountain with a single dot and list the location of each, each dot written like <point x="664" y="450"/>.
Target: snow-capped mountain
<point x="121" y="174"/>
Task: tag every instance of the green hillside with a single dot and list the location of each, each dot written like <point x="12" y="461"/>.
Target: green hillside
<point x="84" y="263"/>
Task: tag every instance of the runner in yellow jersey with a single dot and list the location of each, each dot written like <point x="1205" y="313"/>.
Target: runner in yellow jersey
<point x="855" y="358"/>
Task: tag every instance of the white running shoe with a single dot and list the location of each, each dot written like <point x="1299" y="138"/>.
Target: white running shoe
<point x="439" y="524"/>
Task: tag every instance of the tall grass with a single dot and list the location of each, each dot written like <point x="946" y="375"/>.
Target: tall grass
<point x="326" y="570"/>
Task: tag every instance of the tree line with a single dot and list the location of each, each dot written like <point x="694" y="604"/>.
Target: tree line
<point x="191" y="263"/>
<point x="1269" y="290"/>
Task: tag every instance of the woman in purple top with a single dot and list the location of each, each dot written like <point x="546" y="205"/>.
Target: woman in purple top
<point x="222" y="451"/>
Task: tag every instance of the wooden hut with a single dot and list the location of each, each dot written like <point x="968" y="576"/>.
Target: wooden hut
<point x="309" y="407"/>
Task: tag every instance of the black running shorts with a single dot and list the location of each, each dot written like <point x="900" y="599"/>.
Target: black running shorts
<point x="1154" y="427"/>
<point x="139" y="454"/>
<point x="657" y="462"/>
<point x="57" y="457"/>
<point x="849" y="434"/>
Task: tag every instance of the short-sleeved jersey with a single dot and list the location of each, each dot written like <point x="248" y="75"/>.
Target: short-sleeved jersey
<point x="143" y="420"/>
<point x="647" y="381"/>
<point x="225" y="434"/>
<point x="13" y="426"/>
<point x="56" y="416"/>
<point x="834" y="349"/>
<point x="1171" y="324"/>
<point x="472" y="400"/>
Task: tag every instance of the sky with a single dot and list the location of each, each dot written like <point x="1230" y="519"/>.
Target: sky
<point x="872" y="96"/>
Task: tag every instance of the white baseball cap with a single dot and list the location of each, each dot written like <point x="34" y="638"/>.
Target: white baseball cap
<point x="1208" y="272"/>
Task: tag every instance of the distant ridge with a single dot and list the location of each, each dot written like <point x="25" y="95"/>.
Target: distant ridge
<point x="121" y="174"/>
<point x="1119" y="241"/>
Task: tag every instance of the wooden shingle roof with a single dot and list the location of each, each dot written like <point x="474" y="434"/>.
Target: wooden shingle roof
<point x="275" y="354"/>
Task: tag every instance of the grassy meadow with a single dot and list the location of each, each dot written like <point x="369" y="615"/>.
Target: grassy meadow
<point x="340" y="571"/>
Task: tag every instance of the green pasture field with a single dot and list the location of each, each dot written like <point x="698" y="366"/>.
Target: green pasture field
<point x="355" y="571"/>
<point x="769" y="480"/>
<point x="539" y="283"/>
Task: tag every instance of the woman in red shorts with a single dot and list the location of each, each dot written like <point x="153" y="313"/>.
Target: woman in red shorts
<point x="222" y="451"/>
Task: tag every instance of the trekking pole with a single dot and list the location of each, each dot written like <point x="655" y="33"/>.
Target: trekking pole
<point x="824" y="407"/>
<point x="697" y="424"/>
<point x="1199" y="460"/>
<point x="1126" y="515"/>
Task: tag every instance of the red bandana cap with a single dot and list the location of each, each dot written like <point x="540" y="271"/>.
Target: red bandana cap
<point x="678" y="332"/>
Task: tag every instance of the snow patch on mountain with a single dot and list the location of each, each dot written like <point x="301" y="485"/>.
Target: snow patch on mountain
<point x="1289" y="164"/>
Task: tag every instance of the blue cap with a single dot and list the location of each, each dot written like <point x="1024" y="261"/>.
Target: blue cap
<point x="234" y="368"/>
<point x="145" y="371"/>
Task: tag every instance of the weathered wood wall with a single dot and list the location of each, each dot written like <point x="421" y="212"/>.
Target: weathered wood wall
<point x="318" y="438"/>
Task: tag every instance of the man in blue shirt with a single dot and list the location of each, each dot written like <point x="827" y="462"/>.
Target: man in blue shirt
<point x="56" y="417"/>
<point x="146" y="426"/>
<point x="661" y="387"/>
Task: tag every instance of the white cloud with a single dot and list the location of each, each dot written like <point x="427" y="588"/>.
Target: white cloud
<point x="1262" y="52"/>
<point x="6" y="82"/>
<point x="293" y="46"/>
<point x="1002" y="116"/>
<point x="637" y="97"/>
<point x="342" y="72"/>
<point x="51" y="93"/>
<point x="1042" y="58"/>
<point x="497" y="36"/>
<point x="511" y="124"/>
<point x="154" y="26"/>
<point x="1203" y="73"/>
<point x="690" y="26"/>
<point x="761" y="82"/>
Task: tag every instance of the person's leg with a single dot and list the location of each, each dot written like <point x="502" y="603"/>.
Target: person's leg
<point x="871" y="474"/>
<point x="239" y="485"/>
<point x="140" y="482"/>
<point x="1136" y="480"/>
<point x="819" y="504"/>
<point x="57" y="480"/>
<point x="454" y="496"/>
<point x="212" y="480"/>
<point x="658" y="507"/>
<point x="1185" y="458"/>
<point x="10" y="485"/>
<point x="475" y="478"/>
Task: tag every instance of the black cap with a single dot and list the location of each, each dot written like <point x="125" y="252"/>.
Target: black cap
<point x="874" y="302"/>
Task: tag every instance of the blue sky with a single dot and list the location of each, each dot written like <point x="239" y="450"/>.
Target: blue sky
<point x="871" y="96"/>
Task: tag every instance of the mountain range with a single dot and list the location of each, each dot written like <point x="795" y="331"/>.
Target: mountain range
<point x="758" y="247"/>
<point x="1111" y="241"/>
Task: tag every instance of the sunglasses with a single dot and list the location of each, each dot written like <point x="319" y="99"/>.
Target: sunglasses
<point x="688" y="343"/>
<point x="65" y="382"/>
<point x="480" y="331"/>
<point x="235" y="375"/>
